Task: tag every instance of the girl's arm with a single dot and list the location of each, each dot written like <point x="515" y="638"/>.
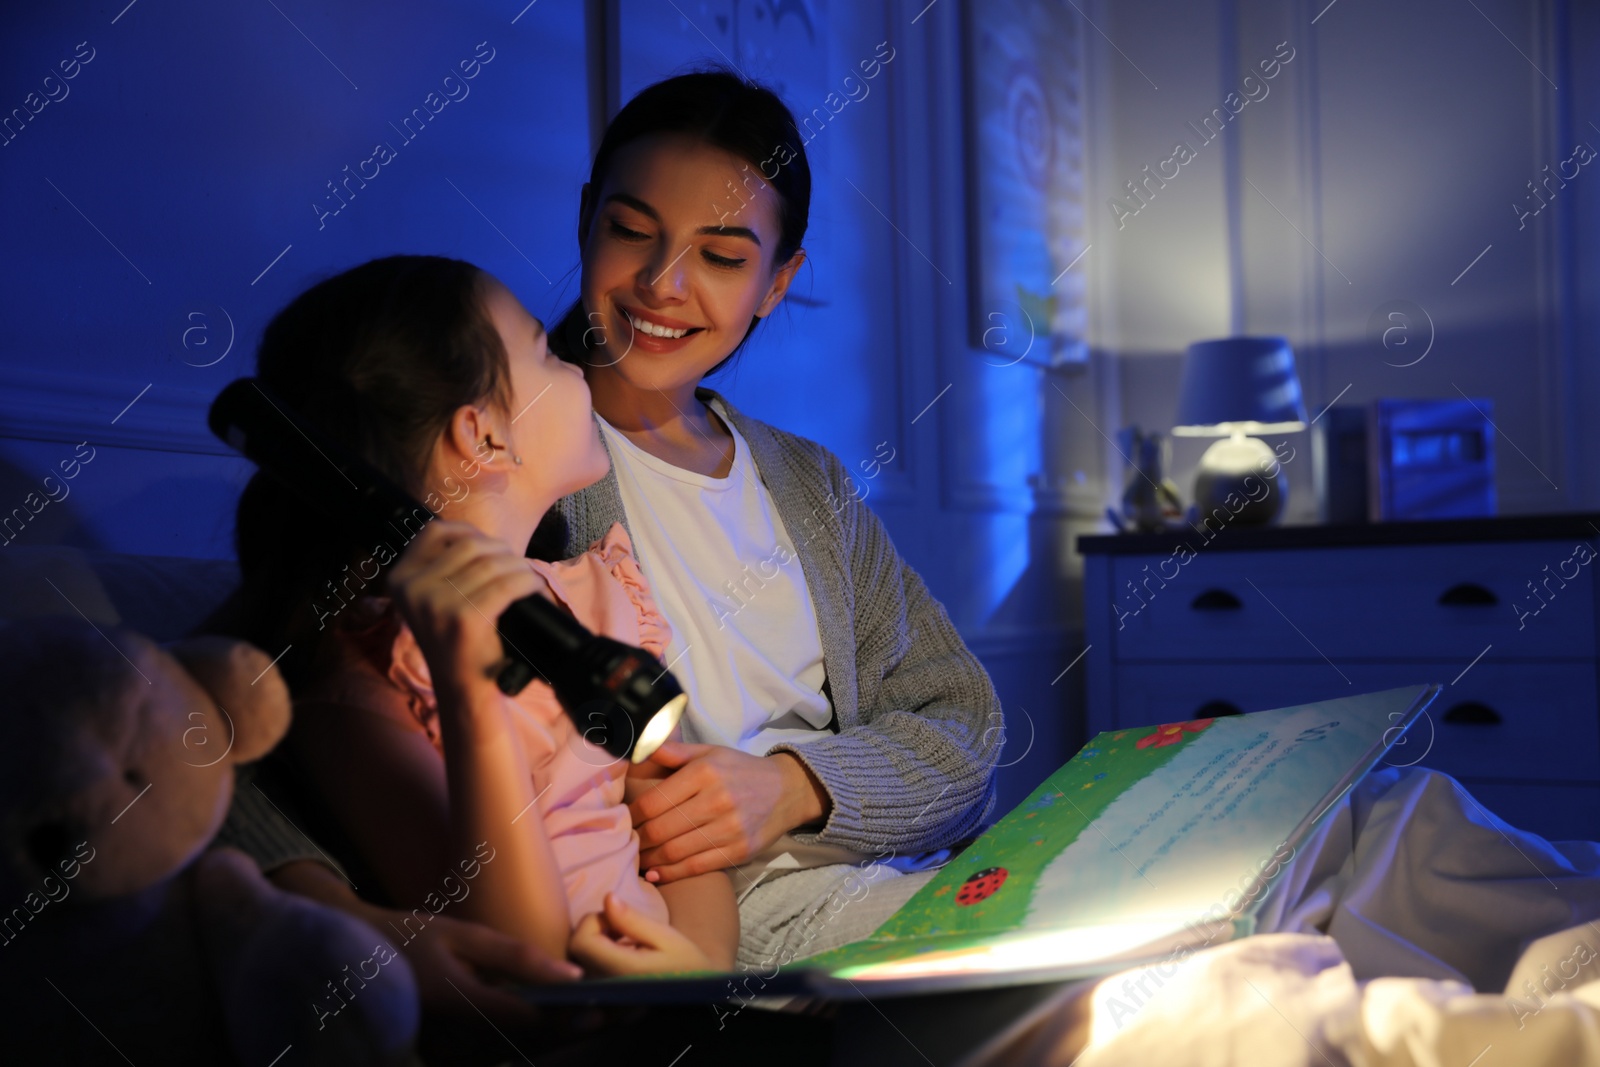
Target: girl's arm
<point x="703" y="908"/>
<point x="651" y="947"/>
<point x="422" y="825"/>
<point x="520" y="891"/>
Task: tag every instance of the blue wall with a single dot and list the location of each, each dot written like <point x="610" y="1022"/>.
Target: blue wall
<point x="178" y="188"/>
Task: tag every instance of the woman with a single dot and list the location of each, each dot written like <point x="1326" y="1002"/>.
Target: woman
<point x="840" y="719"/>
<point x="839" y="662"/>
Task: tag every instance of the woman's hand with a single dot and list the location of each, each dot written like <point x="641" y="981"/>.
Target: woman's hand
<point x="450" y="585"/>
<point x="641" y="778"/>
<point x="657" y="948"/>
<point x="719" y="807"/>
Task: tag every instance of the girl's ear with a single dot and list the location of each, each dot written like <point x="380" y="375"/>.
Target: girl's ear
<point x="465" y="437"/>
<point x="780" y="283"/>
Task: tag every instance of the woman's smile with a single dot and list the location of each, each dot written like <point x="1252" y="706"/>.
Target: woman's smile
<point x="657" y="333"/>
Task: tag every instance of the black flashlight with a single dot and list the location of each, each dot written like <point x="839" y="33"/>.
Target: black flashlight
<point x="621" y="697"/>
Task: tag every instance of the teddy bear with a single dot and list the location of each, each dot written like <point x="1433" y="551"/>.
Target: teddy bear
<point x="122" y="938"/>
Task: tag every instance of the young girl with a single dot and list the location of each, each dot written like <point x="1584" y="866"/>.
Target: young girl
<point x="452" y="793"/>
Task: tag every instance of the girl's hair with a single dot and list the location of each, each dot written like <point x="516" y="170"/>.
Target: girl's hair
<point x="377" y="359"/>
<point x="724" y="110"/>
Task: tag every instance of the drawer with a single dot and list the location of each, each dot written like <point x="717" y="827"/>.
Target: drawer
<point x="1401" y="602"/>
<point x="1501" y="720"/>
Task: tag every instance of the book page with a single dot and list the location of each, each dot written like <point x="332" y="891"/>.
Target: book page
<point x="1157" y="836"/>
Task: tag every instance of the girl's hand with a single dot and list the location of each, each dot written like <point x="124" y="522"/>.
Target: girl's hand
<point x="657" y="947"/>
<point x="719" y="807"/>
<point x="450" y="585"/>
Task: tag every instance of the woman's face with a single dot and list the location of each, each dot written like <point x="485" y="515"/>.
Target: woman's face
<point x="680" y="255"/>
<point x="550" y="425"/>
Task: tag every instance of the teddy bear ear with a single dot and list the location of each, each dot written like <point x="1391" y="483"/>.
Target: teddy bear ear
<point x="246" y="684"/>
<point x="42" y="846"/>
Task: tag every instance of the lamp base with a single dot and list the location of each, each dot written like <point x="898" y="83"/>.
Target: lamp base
<point x="1241" y="478"/>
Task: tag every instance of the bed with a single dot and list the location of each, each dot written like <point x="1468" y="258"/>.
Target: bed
<point x="1466" y="992"/>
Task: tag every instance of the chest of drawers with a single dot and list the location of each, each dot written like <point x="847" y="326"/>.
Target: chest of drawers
<point x="1501" y="612"/>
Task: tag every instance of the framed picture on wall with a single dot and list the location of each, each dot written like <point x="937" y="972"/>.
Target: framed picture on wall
<point x="1024" y="116"/>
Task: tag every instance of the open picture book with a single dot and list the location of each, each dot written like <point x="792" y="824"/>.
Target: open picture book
<point x="1150" y="843"/>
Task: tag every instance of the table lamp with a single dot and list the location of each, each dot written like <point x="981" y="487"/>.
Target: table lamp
<point x="1233" y="388"/>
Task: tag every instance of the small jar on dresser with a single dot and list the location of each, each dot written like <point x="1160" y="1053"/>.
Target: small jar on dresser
<point x="1192" y="624"/>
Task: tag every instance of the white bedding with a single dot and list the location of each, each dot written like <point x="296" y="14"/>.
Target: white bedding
<point x="1414" y="929"/>
<point x="1291" y="1000"/>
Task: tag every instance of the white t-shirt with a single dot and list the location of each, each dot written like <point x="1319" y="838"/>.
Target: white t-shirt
<point x="723" y="570"/>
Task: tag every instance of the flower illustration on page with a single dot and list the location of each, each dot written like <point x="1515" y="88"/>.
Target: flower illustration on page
<point x="1171" y="733"/>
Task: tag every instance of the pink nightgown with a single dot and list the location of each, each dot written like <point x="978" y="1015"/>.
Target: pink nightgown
<point x="380" y="668"/>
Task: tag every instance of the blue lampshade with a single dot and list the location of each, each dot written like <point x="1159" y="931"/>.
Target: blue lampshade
<point x="1239" y="385"/>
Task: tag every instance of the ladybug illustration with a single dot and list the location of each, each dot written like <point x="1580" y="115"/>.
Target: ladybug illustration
<point x="981" y="886"/>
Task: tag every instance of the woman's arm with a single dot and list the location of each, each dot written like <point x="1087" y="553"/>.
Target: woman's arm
<point x="917" y="771"/>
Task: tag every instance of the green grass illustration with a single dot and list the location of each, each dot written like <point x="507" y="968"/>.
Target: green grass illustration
<point x="1024" y="843"/>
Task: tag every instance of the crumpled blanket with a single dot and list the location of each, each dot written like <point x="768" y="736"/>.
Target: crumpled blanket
<point x="1291" y="1000"/>
<point x="1414" y="928"/>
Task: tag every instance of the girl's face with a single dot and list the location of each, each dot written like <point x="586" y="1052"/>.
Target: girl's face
<point x="549" y="422"/>
<point x="680" y="255"/>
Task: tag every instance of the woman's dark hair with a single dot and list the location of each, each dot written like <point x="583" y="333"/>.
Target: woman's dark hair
<point x="377" y="359"/>
<point x="725" y="110"/>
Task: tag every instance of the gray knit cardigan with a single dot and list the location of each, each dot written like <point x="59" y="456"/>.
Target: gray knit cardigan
<point x="911" y="764"/>
<point x="910" y="758"/>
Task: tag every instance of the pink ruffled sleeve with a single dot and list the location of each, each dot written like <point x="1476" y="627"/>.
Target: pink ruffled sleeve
<point x="578" y="786"/>
<point x="581" y="785"/>
<point x="607" y="592"/>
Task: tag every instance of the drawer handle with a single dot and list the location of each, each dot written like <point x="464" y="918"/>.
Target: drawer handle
<point x="1216" y="600"/>
<point x="1472" y="713"/>
<point x="1216" y="709"/>
<point x="1468" y="594"/>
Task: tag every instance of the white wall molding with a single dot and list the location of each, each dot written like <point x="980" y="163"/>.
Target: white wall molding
<point x="896" y="485"/>
<point x="1556" y="290"/>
